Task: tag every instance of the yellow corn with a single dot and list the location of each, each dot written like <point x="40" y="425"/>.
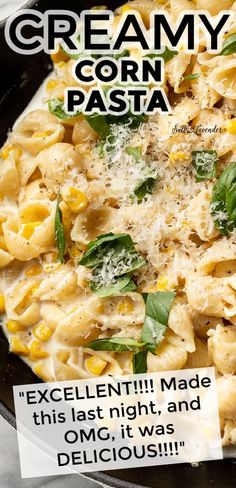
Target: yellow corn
<point x="34" y="270"/>
<point x="27" y="230"/>
<point x="178" y="155"/>
<point x="39" y="135"/>
<point x="95" y="365"/>
<point x="14" y="326"/>
<point x="42" y="332"/>
<point x="10" y="148"/>
<point x="231" y="127"/>
<point x="125" y="306"/>
<point x="18" y="347"/>
<point x="51" y="84"/>
<point x="75" y="199"/>
<point x="38" y="370"/>
<point x="2" y="304"/>
<point x="36" y="351"/>
<point x="162" y="283"/>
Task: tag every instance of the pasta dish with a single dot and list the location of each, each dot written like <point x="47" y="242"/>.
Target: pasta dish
<point x="118" y="233"/>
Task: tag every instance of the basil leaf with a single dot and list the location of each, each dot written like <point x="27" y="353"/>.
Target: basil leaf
<point x="191" y="76"/>
<point x="158" y="307"/>
<point x="140" y="362"/>
<point x="59" y="232"/>
<point x="223" y="201"/>
<point x="167" y="55"/>
<point x="99" y="247"/>
<point x="99" y="124"/>
<point x="56" y="107"/>
<point x="110" y="289"/>
<point x="102" y="123"/>
<point x="144" y="188"/>
<point x="204" y="163"/>
<point x="116" y="344"/>
<point x="112" y="258"/>
<point x="135" y="152"/>
<point x="130" y="287"/>
<point x="229" y="46"/>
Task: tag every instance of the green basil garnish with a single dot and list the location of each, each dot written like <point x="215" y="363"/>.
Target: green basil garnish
<point x="116" y="344"/>
<point x="145" y="188"/>
<point x="158" y="306"/>
<point x="59" y="232"/>
<point x="102" y="123"/>
<point x="99" y="124"/>
<point x="140" y="362"/>
<point x="191" y="76"/>
<point x="113" y="259"/>
<point x="56" y="107"/>
<point x="223" y="201"/>
<point x="167" y="55"/>
<point x="229" y="46"/>
<point x="204" y="163"/>
<point x="135" y="152"/>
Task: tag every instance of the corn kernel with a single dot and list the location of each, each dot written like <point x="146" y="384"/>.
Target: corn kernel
<point x="178" y="155"/>
<point x="36" y="351"/>
<point x="42" y="332"/>
<point x="75" y="199"/>
<point x="51" y="84"/>
<point x="162" y="283"/>
<point x="42" y="371"/>
<point x="125" y="306"/>
<point x="38" y="370"/>
<point x="10" y="148"/>
<point x="231" y="127"/>
<point x="95" y="365"/>
<point x="39" y="135"/>
<point x="18" y="347"/>
<point x="2" y="304"/>
<point x="27" y="230"/>
<point x="14" y="326"/>
<point x="34" y="270"/>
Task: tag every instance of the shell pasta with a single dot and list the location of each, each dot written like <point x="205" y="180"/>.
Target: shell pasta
<point x="97" y="227"/>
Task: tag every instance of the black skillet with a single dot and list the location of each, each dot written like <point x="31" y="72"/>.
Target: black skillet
<point x="20" y="78"/>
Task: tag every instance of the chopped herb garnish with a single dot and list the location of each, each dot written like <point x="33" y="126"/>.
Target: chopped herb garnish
<point x="223" y="201"/>
<point x="56" y="107"/>
<point x="113" y="259"/>
<point x="204" y="163"/>
<point x="59" y="231"/>
<point x="158" y="306"/>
